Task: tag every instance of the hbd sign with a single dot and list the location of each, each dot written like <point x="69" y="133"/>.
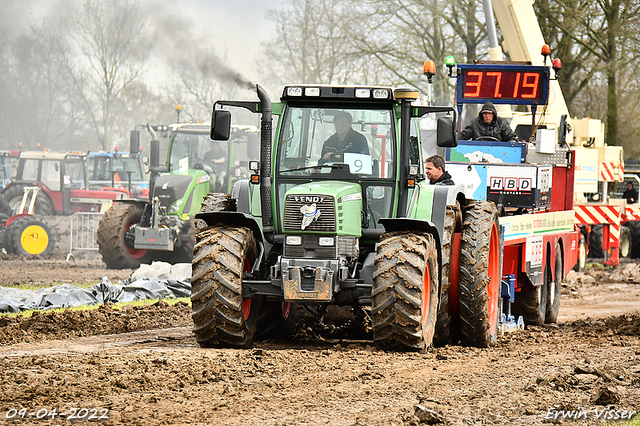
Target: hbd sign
<point x="510" y="184"/>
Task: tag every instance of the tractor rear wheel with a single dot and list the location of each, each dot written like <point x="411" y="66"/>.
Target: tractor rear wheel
<point x="30" y="236"/>
<point x="42" y="207"/>
<point x="221" y="316"/>
<point x="118" y="251"/>
<point x="554" y="286"/>
<point x="405" y="291"/>
<point x="479" y="274"/>
<point x="443" y="334"/>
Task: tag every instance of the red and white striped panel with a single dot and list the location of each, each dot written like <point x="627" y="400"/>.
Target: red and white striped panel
<point x="595" y="215"/>
<point x="632" y="213"/>
<point x="608" y="171"/>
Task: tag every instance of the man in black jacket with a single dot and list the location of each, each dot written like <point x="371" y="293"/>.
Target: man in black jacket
<point x="487" y="123"/>
<point x="434" y="168"/>
<point x="345" y="139"/>
<point x="631" y="194"/>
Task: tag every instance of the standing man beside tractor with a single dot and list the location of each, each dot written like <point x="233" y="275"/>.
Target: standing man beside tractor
<point x="434" y="168"/>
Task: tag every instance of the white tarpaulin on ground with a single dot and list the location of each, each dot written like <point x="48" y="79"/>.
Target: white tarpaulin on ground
<point x="159" y="280"/>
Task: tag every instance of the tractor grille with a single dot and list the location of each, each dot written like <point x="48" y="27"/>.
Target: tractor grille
<point x="293" y="217"/>
<point x="310" y="249"/>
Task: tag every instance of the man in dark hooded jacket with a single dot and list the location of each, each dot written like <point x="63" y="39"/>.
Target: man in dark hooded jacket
<point x="487" y="123"/>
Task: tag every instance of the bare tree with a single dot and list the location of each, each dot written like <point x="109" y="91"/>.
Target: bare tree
<point x="39" y="107"/>
<point x="109" y="36"/>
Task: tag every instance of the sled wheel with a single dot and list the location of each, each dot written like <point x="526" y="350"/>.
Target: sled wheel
<point x="405" y="291"/>
<point x="554" y="286"/>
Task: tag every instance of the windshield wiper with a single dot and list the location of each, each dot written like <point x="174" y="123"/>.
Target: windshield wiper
<point x="319" y="166"/>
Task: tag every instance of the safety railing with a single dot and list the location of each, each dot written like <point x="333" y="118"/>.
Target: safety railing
<point x="83" y="227"/>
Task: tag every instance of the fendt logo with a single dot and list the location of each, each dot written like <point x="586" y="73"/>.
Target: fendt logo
<point x="510" y="184"/>
<point x="308" y="199"/>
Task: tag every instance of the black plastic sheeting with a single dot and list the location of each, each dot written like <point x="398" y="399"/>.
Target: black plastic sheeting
<point x="159" y="280"/>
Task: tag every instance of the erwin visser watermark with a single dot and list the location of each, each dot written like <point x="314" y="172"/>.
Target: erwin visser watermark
<point x="600" y="413"/>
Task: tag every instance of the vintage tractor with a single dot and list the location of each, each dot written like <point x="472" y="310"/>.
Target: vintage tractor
<point x="361" y="229"/>
<point x="135" y="231"/>
<point x="63" y="184"/>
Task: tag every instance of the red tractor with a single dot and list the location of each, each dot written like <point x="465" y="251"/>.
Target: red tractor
<point x="24" y="234"/>
<point x="62" y="180"/>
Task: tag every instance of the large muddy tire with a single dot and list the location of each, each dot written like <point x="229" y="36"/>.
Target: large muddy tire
<point x="214" y="202"/>
<point x="276" y="320"/>
<point x="117" y="251"/>
<point x="554" y="286"/>
<point x="625" y="242"/>
<point x="444" y="334"/>
<point x="405" y="291"/>
<point x="595" y="242"/>
<point x="634" y="228"/>
<point x="30" y="236"/>
<point x="479" y="274"/>
<point x="221" y="316"/>
<point x="42" y="207"/>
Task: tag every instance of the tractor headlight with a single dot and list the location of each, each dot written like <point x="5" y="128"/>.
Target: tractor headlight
<point x="175" y="206"/>
<point x="326" y="241"/>
<point x="293" y="240"/>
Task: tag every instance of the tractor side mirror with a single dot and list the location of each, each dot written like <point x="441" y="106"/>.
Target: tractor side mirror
<point x="220" y="125"/>
<point x="447" y="136"/>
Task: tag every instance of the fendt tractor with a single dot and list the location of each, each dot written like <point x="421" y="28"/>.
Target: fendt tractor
<point x="135" y="231"/>
<point x="358" y="228"/>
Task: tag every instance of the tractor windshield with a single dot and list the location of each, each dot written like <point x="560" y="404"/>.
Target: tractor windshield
<point x="191" y="148"/>
<point x="312" y="139"/>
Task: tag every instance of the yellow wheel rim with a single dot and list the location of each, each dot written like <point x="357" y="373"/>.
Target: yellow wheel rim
<point x="34" y="239"/>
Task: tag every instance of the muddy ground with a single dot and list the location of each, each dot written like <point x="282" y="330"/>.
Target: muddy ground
<point x="143" y="366"/>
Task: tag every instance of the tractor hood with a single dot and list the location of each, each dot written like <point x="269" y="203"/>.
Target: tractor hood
<point x="172" y="187"/>
<point x="330" y="207"/>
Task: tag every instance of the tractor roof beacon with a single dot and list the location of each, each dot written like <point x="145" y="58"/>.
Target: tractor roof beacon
<point x="364" y="229"/>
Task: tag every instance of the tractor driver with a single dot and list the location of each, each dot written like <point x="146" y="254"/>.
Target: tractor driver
<point x="488" y="124"/>
<point x="345" y="139"/>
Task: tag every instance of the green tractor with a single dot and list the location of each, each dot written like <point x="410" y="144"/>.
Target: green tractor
<point x="315" y="226"/>
<point x="134" y="231"/>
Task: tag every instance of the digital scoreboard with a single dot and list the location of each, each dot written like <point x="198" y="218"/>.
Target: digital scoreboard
<point x="502" y="84"/>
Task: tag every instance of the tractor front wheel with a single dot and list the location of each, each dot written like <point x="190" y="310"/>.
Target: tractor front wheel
<point x="30" y="236"/>
<point x="405" y="291"/>
<point x="221" y="315"/>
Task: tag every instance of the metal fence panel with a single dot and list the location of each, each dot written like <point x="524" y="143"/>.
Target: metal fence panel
<point x="82" y="232"/>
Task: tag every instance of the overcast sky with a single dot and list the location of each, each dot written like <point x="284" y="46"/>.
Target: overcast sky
<point x="236" y="27"/>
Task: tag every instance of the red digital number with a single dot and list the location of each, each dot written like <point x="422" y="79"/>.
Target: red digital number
<point x="498" y="76"/>
<point x="530" y="80"/>
<point x="477" y="84"/>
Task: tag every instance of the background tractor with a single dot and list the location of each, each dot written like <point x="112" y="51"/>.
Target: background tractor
<point x="135" y="231"/>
